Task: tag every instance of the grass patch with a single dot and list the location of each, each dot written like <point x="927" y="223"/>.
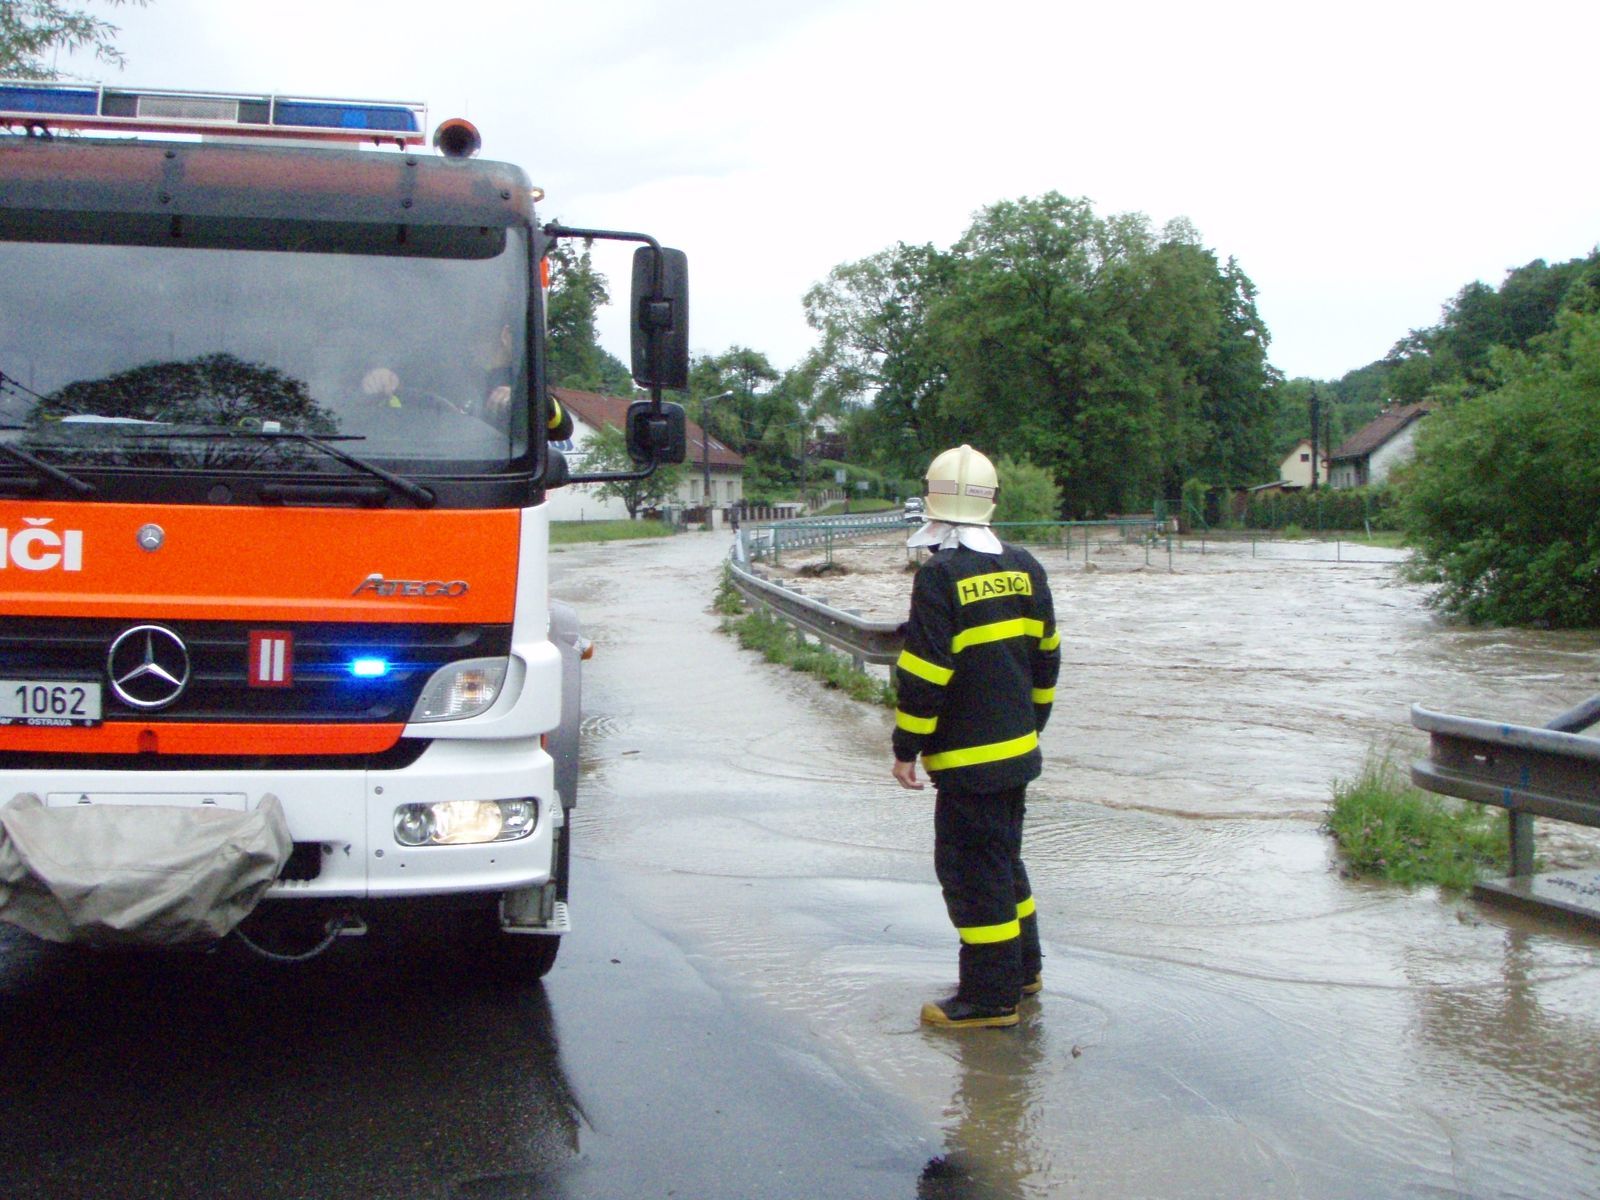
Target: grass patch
<point x="727" y="602"/>
<point x="873" y="504"/>
<point x="1393" y="539"/>
<point x="1389" y="829"/>
<point x="779" y="642"/>
<point x="566" y="533"/>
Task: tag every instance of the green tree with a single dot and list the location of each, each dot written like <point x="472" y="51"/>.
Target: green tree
<point x="31" y="29"/>
<point x="744" y="419"/>
<point x="574" y="356"/>
<point x="878" y="345"/>
<point x="1027" y="492"/>
<point x="1500" y="502"/>
<point x="607" y="450"/>
<point x="1123" y="358"/>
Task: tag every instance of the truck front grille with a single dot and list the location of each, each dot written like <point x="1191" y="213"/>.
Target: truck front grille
<point x="323" y="686"/>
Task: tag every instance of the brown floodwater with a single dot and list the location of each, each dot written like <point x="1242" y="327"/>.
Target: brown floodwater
<point x="1224" y="1014"/>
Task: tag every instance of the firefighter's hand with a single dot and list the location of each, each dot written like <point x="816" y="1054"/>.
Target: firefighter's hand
<point x="905" y="774"/>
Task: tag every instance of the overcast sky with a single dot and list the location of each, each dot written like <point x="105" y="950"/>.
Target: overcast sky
<point x="1361" y="160"/>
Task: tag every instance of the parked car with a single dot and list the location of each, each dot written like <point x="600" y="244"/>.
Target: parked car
<point x="914" y="514"/>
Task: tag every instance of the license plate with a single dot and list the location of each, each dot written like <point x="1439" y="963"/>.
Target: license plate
<point x="49" y="702"/>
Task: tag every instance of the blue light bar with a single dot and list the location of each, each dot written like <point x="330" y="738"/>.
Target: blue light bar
<point x="369" y="668"/>
<point x="41" y="98"/>
<point x="73" y="106"/>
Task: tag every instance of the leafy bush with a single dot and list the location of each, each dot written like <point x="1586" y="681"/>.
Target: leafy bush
<point x="1503" y="501"/>
<point x="1027" y="492"/>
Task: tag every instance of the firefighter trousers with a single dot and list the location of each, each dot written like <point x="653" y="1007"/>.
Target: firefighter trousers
<point x="977" y="855"/>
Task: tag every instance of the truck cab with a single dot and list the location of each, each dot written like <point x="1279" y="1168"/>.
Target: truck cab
<point x="274" y="454"/>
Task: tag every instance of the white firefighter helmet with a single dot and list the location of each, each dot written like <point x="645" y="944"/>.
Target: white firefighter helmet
<point x="962" y="487"/>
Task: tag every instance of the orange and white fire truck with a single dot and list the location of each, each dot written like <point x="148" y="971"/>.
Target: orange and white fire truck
<point x="274" y="455"/>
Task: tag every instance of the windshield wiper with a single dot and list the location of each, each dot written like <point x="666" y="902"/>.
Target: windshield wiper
<point x="17" y="454"/>
<point x="415" y="491"/>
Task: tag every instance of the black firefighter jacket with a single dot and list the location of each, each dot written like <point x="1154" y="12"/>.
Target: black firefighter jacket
<point x="978" y="673"/>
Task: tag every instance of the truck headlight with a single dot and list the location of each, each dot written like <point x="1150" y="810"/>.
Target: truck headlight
<point x="462" y="689"/>
<point x="465" y="822"/>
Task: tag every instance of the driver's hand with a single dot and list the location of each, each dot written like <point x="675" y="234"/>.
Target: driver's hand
<point x="497" y="404"/>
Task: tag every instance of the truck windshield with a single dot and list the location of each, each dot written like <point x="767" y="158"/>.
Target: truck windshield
<point x="419" y="361"/>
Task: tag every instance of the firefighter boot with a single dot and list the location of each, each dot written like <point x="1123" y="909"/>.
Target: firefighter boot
<point x="1035" y="985"/>
<point x="956" y="1013"/>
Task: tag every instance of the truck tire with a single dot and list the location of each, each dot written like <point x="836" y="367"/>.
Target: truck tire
<point x="522" y="957"/>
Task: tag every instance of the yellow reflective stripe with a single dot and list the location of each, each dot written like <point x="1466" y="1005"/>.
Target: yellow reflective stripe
<point x="923" y="669"/>
<point x="997" y="632"/>
<point x="985" y="935"/>
<point x="1053" y="642"/>
<point x="910" y="724"/>
<point x="555" y="414"/>
<point x="988" y="587"/>
<point x="1026" y="908"/>
<point x="1044" y="695"/>
<point x="974" y="755"/>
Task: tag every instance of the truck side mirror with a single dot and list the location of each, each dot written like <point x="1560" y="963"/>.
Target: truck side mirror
<point x="660" y="318"/>
<point x="656" y="435"/>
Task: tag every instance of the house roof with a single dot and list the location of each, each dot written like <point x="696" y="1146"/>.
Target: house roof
<point x="1380" y="429"/>
<point x="596" y="411"/>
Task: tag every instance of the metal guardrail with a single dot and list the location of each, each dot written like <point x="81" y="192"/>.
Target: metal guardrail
<point x="1529" y="771"/>
<point x="806" y="532"/>
<point x="864" y="640"/>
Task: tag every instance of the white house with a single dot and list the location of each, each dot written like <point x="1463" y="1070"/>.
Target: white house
<point x="1295" y="469"/>
<point x="1378" y="447"/>
<point x="592" y="412"/>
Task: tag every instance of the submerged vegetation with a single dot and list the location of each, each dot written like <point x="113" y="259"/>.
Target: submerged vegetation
<point x="779" y="642"/>
<point x="1389" y="829"/>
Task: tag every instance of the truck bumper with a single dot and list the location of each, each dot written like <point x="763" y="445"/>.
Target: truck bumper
<point x="342" y="821"/>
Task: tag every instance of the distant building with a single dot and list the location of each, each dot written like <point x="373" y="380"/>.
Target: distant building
<point x="592" y="412"/>
<point x="1294" y="471"/>
<point x="1378" y="447"/>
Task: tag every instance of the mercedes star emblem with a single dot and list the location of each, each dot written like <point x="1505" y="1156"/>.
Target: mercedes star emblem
<point x="148" y="666"/>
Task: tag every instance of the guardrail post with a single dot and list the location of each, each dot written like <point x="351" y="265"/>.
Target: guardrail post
<point x="1520" y="826"/>
<point x="1552" y="772"/>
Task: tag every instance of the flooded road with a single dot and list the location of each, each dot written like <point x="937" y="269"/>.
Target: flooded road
<point x="1223" y="1014"/>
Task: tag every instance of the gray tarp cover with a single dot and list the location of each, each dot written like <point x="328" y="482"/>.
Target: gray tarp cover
<point x="117" y="874"/>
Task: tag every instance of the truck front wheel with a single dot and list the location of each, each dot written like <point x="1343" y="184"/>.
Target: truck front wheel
<point x="521" y="957"/>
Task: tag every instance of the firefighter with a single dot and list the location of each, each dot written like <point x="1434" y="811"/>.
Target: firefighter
<point x="976" y="680"/>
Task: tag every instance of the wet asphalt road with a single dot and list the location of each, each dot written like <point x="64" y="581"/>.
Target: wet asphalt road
<point x="379" y="1072"/>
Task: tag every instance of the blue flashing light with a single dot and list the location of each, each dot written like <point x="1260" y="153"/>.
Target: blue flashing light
<point x="369" y="668"/>
<point x="370" y="117"/>
<point x="74" y="106"/>
<point x="25" y="98"/>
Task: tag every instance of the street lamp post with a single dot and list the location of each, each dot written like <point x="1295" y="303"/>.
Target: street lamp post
<point x="705" y="449"/>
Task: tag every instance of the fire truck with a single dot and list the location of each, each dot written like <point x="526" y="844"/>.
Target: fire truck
<point x="277" y="653"/>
